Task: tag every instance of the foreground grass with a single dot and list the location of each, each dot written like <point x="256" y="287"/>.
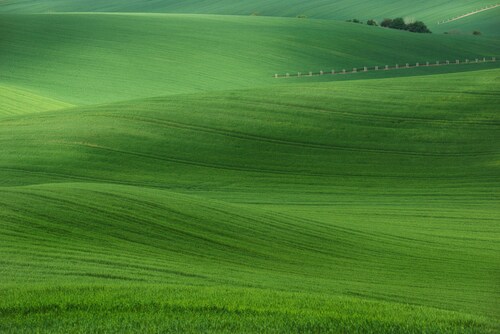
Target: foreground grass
<point x="57" y="234"/>
<point x="123" y="309"/>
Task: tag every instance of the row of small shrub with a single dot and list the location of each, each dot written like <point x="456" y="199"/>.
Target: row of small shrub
<point x="398" y="23"/>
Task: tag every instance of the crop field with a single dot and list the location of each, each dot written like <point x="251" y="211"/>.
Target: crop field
<point x="484" y="22"/>
<point x="156" y="178"/>
<point x="96" y="58"/>
<point x="431" y="10"/>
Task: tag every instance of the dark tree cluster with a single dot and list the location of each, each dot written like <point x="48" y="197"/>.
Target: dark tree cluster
<point x="399" y="23"/>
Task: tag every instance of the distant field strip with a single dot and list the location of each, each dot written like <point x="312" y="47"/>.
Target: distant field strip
<point x="427" y="10"/>
<point x="386" y="68"/>
<point x="471" y="13"/>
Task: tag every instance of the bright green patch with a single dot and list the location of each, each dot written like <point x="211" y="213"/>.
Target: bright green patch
<point x="170" y="309"/>
<point x="16" y="101"/>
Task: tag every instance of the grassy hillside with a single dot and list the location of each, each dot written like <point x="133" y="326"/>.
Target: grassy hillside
<point x="145" y="260"/>
<point x="486" y="22"/>
<point x="85" y="59"/>
<point x="307" y="208"/>
<point x="194" y="134"/>
<point x="433" y="11"/>
<point x="156" y="178"/>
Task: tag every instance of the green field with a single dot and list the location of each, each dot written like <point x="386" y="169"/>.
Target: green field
<point x="19" y="101"/>
<point x="486" y="22"/>
<point x="432" y="10"/>
<point x="96" y="58"/>
<point x="156" y="178"/>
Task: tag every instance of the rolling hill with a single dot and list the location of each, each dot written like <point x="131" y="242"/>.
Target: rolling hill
<point x="97" y="58"/>
<point x="156" y="178"/>
<point x="486" y="22"/>
<point x="300" y="208"/>
<point x="432" y="11"/>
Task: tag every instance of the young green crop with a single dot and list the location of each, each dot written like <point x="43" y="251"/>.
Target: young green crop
<point x="321" y="207"/>
<point x="427" y="10"/>
<point x="485" y="22"/>
<point x="18" y="101"/>
<point x="168" y="308"/>
<point x="236" y="202"/>
<point x="96" y="58"/>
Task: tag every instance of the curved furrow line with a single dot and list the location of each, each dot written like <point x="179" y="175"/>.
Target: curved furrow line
<point x="271" y="105"/>
<point x="246" y="136"/>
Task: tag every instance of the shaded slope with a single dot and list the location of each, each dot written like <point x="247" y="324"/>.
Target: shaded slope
<point x="86" y="59"/>
<point x="434" y="127"/>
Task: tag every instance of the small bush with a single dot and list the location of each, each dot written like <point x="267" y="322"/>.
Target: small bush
<point x="398" y="23"/>
<point x="386" y="23"/>
<point x="476" y="33"/>
<point x="372" y="23"/>
<point x="418" y="26"/>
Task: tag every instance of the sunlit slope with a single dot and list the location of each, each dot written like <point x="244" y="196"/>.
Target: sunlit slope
<point x="95" y="58"/>
<point x="337" y="9"/>
<point x="16" y="101"/>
